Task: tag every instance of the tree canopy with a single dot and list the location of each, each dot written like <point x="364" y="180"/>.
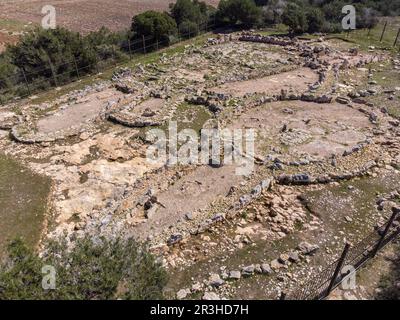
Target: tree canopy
<point x="295" y="18"/>
<point x="42" y="52"/>
<point x="239" y="11"/>
<point x="158" y="25"/>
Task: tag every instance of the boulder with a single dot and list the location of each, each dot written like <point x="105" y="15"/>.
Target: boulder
<point x="211" y="296"/>
<point x="343" y="100"/>
<point x="215" y="280"/>
<point x="294" y="256"/>
<point x="234" y="275"/>
<point x="248" y="270"/>
<point x="307" y="248"/>
<point x="276" y="265"/>
<point x="266" y="269"/>
<point x="175" y="238"/>
<point x="182" y="294"/>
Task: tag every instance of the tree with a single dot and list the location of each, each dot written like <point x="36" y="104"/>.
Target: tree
<point x="333" y="10"/>
<point x="159" y="26"/>
<point x="189" y="10"/>
<point x="92" y="269"/>
<point x="106" y="44"/>
<point x="190" y="15"/>
<point x="367" y="18"/>
<point x="315" y="20"/>
<point x="239" y="11"/>
<point x="6" y="71"/>
<point x="261" y="3"/>
<point x="188" y="29"/>
<point x="295" y="18"/>
<point x="42" y="52"/>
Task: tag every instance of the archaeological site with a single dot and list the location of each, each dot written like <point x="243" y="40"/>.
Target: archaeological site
<point x="245" y="161"/>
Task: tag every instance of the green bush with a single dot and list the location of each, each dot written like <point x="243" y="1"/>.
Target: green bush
<point x="315" y="20"/>
<point x="42" y="52"/>
<point x="7" y="72"/>
<point x="188" y="29"/>
<point x="244" y="12"/>
<point x="325" y="15"/>
<point x="295" y="18"/>
<point x="156" y="25"/>
<point x="367" y="18"/>
<point x="189" y="10"/>
<point x="333" y="10"/>
<point x="92" y="269"/>
<point x="107" y="44"/>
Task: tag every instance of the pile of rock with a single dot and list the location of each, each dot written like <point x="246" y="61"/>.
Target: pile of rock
<point x="217" y="281"/>
<point x="307" y="179"/>
<point x="280" y="41"/>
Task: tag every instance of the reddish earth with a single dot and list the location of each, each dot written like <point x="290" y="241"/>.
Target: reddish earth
<point x="84" y="15"/>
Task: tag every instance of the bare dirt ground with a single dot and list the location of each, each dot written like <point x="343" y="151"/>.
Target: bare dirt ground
<point x="298" y="81"/>
<point x="84" y="110"/>
<point x="192" y="193"/>
<point x="83" y="15"/>
<point x="151" y="105"/>
<point x="316" y="129"/>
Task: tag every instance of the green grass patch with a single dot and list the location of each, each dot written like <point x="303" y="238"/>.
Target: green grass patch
<point x="23" y="202"/>
<point x="365" y="38"/>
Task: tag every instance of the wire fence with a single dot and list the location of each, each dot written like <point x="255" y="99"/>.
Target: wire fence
<point x="25" y="83"/>
<point x="386" y="33"/>
<point x="321" y="285"/>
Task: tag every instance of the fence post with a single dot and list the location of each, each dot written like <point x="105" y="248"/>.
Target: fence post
<point x="76" y="68"/>
<point x="52" y="72"/>
<point x="129" y="46"/>
<point x="383" y="32"/>
<point x="338" y="268"/>
<point x="26" y="81"/>
<point x="395" y="211"/>
<point x="144" y="44"/>
<point x="397" y="38"/>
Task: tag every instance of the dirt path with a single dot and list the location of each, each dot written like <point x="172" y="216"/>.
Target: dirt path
<point x="79" y="113"/>
<point x="297" y="80"/>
